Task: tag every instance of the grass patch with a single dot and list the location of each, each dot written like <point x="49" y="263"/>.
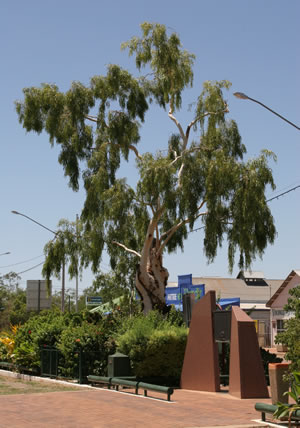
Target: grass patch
<point x="10" y="385"/>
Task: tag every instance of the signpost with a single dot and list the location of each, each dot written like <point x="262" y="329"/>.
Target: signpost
<point x="93" y="300"/>
<point x="37" y="296"/>
<point x="174" y="295"/>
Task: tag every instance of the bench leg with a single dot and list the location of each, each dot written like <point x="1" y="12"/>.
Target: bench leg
<point x="263" y="416"/>
<point x="145" y="392"/>
<point x="169" y="397"/>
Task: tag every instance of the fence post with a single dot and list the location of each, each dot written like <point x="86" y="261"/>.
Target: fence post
<point x="80" y="366"/>
<point x="42" y="363"/>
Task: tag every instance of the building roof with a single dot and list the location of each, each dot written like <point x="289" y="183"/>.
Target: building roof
<point x="251" y="275"/>
<point x="231" y="287"/>
<point x="282" y="287"/>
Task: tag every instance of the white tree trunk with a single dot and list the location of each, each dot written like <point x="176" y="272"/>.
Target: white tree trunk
<point x="151" y="281"/>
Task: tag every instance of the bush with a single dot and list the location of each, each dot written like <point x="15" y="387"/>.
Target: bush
<point x="155" y="343"/>
<point x="155" y="346"/>
<point x="267" y="358"/>
<point x="83" y="332"/>
<point x="88" y="341"/>
<point x="291" y="336"/>
<point x="39" y="331"/>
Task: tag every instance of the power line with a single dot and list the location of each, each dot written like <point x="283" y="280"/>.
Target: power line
<point x="284" y="193"/>
<point x="20" y="263"/>
<point x="33" y="267"/>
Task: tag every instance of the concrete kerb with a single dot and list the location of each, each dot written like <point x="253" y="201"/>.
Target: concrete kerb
<point x="236" y="426"/>
<point x="240" y="426"/>
<point x="29" y="378"/>
<point x="76" y="385"/>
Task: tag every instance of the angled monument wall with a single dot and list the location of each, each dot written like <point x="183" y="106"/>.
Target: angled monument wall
<point x="200" y="370"/>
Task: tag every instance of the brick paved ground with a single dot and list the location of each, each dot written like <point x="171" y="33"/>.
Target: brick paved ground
<point x="94" y="408"/>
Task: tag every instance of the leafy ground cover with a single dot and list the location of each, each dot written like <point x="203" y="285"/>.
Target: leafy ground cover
<point x="10" y="385"/>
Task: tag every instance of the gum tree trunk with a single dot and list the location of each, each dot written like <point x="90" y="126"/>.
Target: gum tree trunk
<point x="151" y="281"/>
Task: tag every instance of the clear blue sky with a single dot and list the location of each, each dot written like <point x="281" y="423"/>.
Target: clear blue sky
<point x="252" y="43"/>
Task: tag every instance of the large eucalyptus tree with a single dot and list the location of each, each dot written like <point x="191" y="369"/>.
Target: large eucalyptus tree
<point x="98" y="126"/>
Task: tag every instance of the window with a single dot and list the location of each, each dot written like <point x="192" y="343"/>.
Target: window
<point x="280" y="326"/>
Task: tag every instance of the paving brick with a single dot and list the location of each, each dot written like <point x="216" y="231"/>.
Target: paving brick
<point x="94" y="408"/>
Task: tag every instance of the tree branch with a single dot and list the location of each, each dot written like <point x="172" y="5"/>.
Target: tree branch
<point x="126" y="249"/>
<point x="185" y="136"/>
<point x="173" y="118"/>
<point x="91" y="118"/>
<point x="131" y="147"/>
<point x="135" y="150"/>
<point x="193" y="122"/>
<point x="185" y="151"/>
<point x="177" y="226"/>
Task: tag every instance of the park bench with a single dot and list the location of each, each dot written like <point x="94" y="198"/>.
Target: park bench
<point x="158" y="388"/>
<point x="130" y="382"/>
<point x="264" y="408"/>
<point x="125" y="383"/>
<point x="100" y="379"/>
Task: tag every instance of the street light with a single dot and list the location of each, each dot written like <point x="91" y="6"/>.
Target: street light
<point x="4" y="254"/>
<point x="63" y="266"/>
<point x="243" y="96"/>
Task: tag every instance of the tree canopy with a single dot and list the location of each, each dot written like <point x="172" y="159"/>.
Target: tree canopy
<point x="291" y="334"/>
<point x="205" y="178"/>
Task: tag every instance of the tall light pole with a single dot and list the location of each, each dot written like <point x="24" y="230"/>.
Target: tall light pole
<point x="243" y="96"/>
<point x="76" y="287"/>
<point x="4" y="254"/>
<point x="63" y="265"/>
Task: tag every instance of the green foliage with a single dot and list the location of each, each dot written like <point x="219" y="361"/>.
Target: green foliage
<point x="171" y="65"/>
<point x="69" y="333"/>
<point x="12" y="302"/>
<point x="291" y="336"/>
<point x="94" y="343"/>
<point x="42" y="330"/>
<point x="267" y="358"/>
<point x="155" y="346"/>
<point x="284" y="409"/>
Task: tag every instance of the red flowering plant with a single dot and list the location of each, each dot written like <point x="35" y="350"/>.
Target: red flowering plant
<point x="41" y="331"/>
<point x="91" y="342"/>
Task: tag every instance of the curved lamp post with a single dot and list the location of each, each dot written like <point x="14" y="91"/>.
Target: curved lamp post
<point x="243" y="96"/>
<point x="63" y="266"/>
<point x="4" y="254"/>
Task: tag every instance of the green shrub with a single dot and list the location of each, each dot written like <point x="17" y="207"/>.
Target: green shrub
<point x="91" y="342"/>
<point x="155" y="346"/>
<point x="291" y="334"/>
<point x="267" y="358"/>
<point x="43" y="330"/>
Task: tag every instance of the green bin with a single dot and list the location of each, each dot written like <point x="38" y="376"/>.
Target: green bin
<point x="118" y="365"/>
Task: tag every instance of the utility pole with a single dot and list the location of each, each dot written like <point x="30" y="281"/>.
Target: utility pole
<point x="76" y="287"/>
<point x="63" y="264"/>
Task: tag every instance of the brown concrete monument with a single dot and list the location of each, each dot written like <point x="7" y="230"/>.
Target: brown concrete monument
<point x="200" y="370"/>
<point x="246" y="373"/>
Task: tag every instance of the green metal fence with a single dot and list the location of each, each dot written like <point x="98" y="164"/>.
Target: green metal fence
<point x="82" y="364"/>
<point x="49" y="362"/>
